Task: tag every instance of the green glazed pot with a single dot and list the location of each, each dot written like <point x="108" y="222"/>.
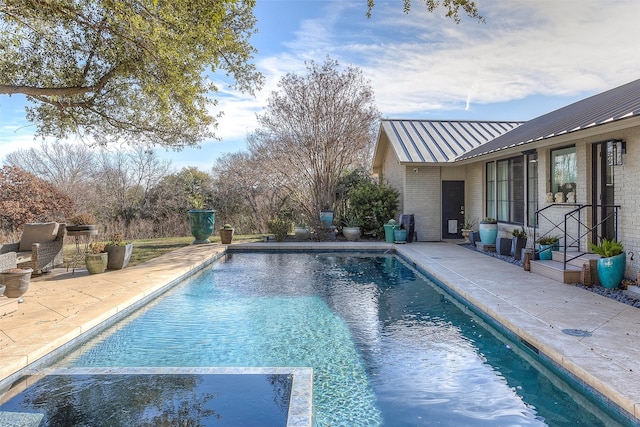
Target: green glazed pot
<point x="201" y="222"/>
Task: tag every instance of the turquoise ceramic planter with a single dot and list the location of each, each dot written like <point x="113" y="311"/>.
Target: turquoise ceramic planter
<point x="488" y="232"/>
<point x="326" y="218"/>
<point x="546" y="251"/>
<point x="400" y="235"/>
<point x="389" y="228"/>
<point x="201" y="222"/>
<point x="611" y="270"/>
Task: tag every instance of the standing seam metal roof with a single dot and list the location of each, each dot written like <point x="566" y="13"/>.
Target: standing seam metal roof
<point x="440" y="141"/>
<point x="615" y="104"/>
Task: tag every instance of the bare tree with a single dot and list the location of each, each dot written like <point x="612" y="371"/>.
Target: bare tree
<point x="123" y="181"/>
<point x="246" y="193"/>
<point x="67" y="166"/>
<point x="314" y="129"/>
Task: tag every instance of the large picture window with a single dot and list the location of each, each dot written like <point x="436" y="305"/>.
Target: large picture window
<point x="563" y="170"/>
<point x="505" y="190"/>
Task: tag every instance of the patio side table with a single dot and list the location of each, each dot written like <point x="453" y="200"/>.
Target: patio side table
<point x="82" y="239"/>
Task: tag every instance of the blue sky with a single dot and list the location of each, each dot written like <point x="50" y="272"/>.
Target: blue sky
<point x="529" y="58"/>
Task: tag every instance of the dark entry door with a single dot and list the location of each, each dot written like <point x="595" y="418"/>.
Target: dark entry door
<point x="452" y="208"/>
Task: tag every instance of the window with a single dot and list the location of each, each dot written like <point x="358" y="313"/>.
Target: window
<point x="563" y="170"/>
<point x="532" y="188"/>
<point x="505" y="190"/>
<point x="491" y="190"/>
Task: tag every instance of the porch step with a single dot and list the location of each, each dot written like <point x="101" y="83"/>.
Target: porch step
<point x="553" y="270"/>
<point x="582" y="258"/>
<point x="579" y="260"/>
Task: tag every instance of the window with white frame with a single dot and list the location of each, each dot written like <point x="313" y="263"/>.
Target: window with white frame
<point x="505" y="184"/>
<point x="563" y="171"/>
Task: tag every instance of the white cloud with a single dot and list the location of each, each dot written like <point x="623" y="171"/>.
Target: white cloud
<point x="525" y="48"/>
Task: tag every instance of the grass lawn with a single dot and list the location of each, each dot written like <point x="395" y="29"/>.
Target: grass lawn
<point x="146" y="249"/>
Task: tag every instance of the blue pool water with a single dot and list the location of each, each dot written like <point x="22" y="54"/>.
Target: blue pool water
<point x="388" y="346"/>
<point x="151" y="399"/>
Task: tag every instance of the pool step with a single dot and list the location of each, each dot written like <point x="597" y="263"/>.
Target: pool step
<point x="553" y="268"/>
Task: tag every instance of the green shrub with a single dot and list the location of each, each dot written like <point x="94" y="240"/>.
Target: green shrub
<point x="372" y="204"/>
<point x="279" y="227"/>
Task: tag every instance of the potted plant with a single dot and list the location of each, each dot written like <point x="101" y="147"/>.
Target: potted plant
<point x="119" y="252"/>
<point x="201" y="221"/>
<point x="467" y="228"/>
<point x="81" y="222"/>
<point x="612" y="262"/>
<point x="96" y="259"/>
<point x="301" y="231"/>
<point x="546" y="246"/>
<point x="326" y="217"/>
<point x="351" y="229"/>
<point x="488" y="231"/>
<point x="226" y="234"/>
<point x="518" y="242"/>
<point x="389" y="230"/>
<point x="399" y="235"/>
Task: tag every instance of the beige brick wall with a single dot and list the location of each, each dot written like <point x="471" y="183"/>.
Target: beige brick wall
<point x="627" y="195"/>
<point x="474" y="192"/>
<point x="393" y="174"/>
<point x="423" y="199"/>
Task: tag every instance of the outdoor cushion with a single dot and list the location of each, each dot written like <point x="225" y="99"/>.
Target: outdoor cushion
<point x="23" y="257"/>
<point x="37" y="233"/>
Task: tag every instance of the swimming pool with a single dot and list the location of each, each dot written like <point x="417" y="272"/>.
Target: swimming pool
<point x="388" y="347"/>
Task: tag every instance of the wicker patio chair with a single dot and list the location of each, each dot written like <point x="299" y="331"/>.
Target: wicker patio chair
<point x="40" y="246"/>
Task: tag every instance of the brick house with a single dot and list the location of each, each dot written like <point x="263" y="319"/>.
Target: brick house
<point x="582" y="160"/>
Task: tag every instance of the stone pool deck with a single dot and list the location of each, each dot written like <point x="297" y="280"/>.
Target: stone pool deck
<point x="61" y="306"/>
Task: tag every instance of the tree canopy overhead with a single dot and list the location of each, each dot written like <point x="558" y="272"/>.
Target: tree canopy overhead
<point x="135" y="70"/>
<point x="452" y="8"/>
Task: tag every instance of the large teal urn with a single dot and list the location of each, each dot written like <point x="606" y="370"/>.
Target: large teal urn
<point x="201" y="222"/>
<point x="611" y="270"/>
<point x="488" y="231"/>
<point x="326" y="218"/>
